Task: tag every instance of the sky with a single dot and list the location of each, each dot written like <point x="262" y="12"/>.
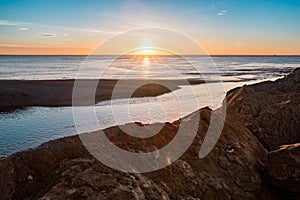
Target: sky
<point x="220" y="27"/>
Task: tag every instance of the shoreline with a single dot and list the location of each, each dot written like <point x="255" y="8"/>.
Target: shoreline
<point x="17" y="94"/>
<point x="65" y="133"/>
<point x="54" y="132"/>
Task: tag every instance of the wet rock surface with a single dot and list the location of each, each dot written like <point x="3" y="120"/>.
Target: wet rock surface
<point x="246" y="163"/>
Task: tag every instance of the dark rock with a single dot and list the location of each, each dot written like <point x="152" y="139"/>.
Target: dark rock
<point x="271" y="110"/>
<point x="284" y="170"/>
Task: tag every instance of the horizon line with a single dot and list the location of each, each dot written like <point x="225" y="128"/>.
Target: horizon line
<point x="212" y="55"/>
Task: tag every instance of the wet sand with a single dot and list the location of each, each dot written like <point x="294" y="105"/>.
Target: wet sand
<point x="16" y="94"/>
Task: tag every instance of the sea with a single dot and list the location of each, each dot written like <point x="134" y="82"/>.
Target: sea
<point x="30" y="127"/>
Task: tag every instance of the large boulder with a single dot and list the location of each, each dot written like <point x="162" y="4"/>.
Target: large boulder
<point x="271" y="110"/>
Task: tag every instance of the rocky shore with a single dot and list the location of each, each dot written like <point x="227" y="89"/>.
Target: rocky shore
<point x="256" y="157"/>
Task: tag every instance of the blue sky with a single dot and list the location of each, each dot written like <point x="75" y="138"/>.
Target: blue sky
<point x="222" y="27"/>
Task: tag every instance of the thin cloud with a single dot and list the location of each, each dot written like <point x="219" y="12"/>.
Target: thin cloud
<point x="4" y="22"/>
<point x="23" y="29"/>
<point x="31" y="46"/>
<point x="13" y="45"/>
<point x="74" y="29"/>
<point x="222" y="12"/>
<point x="90" y="30"/>
<point x="45" y="35"/>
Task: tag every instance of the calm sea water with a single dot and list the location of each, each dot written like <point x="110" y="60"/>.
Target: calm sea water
<point x="66" y="67"/>
<point x="30" y="127"/>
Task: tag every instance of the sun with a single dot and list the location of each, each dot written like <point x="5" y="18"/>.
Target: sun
<point x="146" y="51"/>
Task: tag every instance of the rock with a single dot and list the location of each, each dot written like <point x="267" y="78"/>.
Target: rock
<point x="40" y="164"/>
<point x="63" y="169"/>
<point x="271" y="110"/>
<point x="284" y="170"/>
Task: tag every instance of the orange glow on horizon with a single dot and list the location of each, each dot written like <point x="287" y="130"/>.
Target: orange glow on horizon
<point x="212" y="49"/>
<point x="44" y="51"/>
